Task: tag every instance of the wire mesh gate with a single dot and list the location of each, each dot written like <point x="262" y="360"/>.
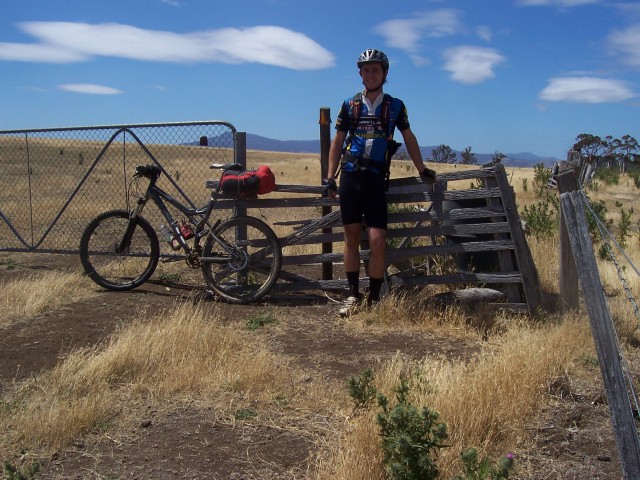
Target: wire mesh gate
<point x="54" y="181"/>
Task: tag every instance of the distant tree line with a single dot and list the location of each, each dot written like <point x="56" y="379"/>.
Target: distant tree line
<point x="444" y="154"/>
<point x="608" y="152"/>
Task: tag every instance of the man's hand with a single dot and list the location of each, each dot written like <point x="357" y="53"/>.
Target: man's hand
<point x="428" y="174"/>
<point x="331" y="189"/>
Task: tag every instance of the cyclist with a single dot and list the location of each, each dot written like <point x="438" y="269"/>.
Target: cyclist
<point x="364" y="130"/>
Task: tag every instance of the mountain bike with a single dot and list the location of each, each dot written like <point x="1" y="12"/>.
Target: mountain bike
<point x="240" y="258"/>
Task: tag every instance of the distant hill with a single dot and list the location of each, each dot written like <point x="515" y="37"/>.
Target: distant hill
<point x="256" y="142"/>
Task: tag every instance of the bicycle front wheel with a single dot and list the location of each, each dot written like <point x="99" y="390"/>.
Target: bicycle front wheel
<point x="241" y="259"/>
<point x="118" y="253"/>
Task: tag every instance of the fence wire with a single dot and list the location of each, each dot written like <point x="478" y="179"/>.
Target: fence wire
<point x="608" y="238"/>
<point x="54" y="181"/>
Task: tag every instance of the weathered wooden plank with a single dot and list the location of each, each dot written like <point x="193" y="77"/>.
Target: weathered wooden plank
<point x="420" y="216"/>
<point x="607" y="347"/>
<point x="505" y="259"/>
<point x="438" y="230"/>
<point x="394" y="255"/>
<point x="267" y="202"/>
<point x="472" y="193"/>
<point x="530" y="279"/>
<point x="310" y="228"/>
<point x="413" y="232"/>
<point x="445" y="177"/>
<point x="453" y="214"/>
<point x="458" y="279"/>
<point x="568" y="275"/>
<point x="301" y="283"/>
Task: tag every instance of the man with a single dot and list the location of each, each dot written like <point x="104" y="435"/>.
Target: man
<point x="364" y="132"/>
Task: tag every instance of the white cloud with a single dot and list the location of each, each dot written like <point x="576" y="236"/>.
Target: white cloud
<point x="556" y="3"/>
<point x="89" y="88"/>
<point x="406" y="34"/>
<point x="626" y="43"/>
<point x="66" y="42"/>
<point x="586" y="90"/>
<point x="38" y="53"/>
<point x="471" y="65"/>
<point x="484" y="33"/>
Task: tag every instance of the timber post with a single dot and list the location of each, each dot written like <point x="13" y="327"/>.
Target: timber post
<point x="604" y="335"/>
<point x="568" y="275"/>
<point x="325" y="145"/>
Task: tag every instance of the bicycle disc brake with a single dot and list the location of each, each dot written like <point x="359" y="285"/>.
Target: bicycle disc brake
<point x="238" y="260"/>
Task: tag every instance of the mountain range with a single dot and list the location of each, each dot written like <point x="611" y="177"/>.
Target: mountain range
<point x="521" y="159"/>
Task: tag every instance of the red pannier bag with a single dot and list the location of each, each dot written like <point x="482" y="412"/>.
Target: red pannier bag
<point x="248" y="183"/>
<point x="267" y="180"/>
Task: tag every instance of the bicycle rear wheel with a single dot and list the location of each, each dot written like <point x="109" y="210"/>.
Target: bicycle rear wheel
<point x="118" y="255"/>
<point x="244" y="265"/>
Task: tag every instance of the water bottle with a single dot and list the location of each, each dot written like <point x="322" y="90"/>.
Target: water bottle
<point x="166" y="234"/>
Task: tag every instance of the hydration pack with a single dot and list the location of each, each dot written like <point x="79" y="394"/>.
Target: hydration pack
<point x="248" y="183"/>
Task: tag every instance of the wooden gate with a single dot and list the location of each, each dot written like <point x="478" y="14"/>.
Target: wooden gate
<point x="437" y="235"/>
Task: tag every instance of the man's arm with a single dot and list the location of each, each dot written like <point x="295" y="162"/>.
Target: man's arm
<point x="411" y="143"/>
<point x="335" y="151"/>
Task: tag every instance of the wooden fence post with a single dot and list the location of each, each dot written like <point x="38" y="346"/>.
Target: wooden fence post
<point x="325" y="145"/>
<point x="568" y="275"/>
<point x="624" y="426"/>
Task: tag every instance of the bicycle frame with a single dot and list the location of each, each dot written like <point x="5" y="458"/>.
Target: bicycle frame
<point x="159" y="197"/>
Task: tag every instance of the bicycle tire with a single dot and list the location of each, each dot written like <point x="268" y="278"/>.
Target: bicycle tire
<point x="118" y="270"/>
<point x="251" y="272"/>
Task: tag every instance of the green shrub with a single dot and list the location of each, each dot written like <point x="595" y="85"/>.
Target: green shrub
<point x="635" y="176"/>
<point x="543" y="217"/>
<point x="484" y="469"/>
<point x="361" y="389"/>
<point x="624" y="227"/>
<point x="12" y="472"/>
<point x="541" y="177"/>
<point x="411" y="437"/>
<point x="597" y="213"/>
<point x="610" y="176"/>
<point x="260" y="320"/>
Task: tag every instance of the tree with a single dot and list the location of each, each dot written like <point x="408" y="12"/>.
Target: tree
<point x="498" y="157"/>
<point x="443" y="154"/>
<point x="625" y="149"/>
<point x="590" y="146"/>
<point x="468" y="157"/>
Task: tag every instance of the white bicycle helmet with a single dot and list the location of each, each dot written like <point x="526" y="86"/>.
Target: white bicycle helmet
<point x="372" y="55"/>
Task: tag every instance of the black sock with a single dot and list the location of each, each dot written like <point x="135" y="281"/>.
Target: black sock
<point x="353" y="279"/>
<point x="374" y="289"/>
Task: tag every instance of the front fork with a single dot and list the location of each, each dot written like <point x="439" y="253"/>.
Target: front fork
<point x="125" y="242"/>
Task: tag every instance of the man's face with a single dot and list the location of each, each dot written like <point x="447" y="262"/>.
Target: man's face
<point x="372" y="75"/>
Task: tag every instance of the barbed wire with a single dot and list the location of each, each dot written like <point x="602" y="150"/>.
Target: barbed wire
<point x="607" y="237"/>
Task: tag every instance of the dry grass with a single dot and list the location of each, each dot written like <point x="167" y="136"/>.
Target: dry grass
<point x="43" y="292"/>
<point x="183" y="354"/>
<point x="486" y="403"/>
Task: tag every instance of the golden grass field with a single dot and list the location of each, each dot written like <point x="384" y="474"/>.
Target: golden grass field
<point x="191" y="354"/>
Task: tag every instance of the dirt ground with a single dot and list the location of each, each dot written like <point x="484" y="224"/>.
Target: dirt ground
<point x="573" y="436"/>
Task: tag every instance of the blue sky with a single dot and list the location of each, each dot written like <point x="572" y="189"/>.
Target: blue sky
<point x="496" y="75"/>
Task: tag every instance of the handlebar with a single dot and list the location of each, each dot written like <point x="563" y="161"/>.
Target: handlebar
<point x="152" y="172"/>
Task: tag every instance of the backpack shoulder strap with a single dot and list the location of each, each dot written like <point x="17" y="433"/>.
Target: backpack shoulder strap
<point x="385" y="114"/>
<point x="354" y="112"/>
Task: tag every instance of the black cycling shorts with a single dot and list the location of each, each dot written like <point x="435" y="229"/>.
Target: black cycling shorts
<point x="363" y="194"/>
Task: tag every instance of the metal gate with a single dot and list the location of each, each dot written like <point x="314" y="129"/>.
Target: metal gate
<point x="54" y="181"/>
